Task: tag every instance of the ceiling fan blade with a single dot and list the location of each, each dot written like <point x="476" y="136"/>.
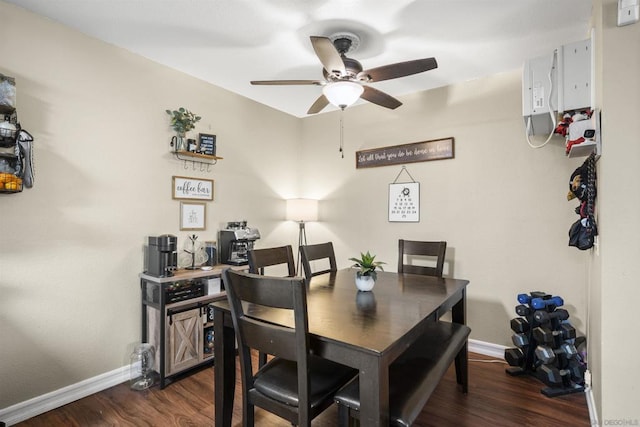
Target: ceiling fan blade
<point x="380" y="98"/>
<point x="328" y="55"/>
<point x="288" y="82"/>
<point x="400" y="69"/>
<point x="319" y="105"/>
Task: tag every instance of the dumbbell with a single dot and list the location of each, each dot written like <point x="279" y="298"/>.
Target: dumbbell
<point x="544" y="303"/>
<point x="526" y="299"/>
<point x="547" y="354"/>
<point x="520" y="340"/>
<point x="541" y="316"/>
<point x="553" y="376"/>
<point x="523" y="310"/>
<point x="514" y="357"/>
<point x="544" y="335"/>
<point x="519" y="325"/>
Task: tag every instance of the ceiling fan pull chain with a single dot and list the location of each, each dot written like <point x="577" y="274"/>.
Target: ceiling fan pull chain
<point x="342" y="132"/>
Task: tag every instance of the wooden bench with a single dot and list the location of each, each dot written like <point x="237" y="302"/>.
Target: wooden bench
<point x="414" y="375"/>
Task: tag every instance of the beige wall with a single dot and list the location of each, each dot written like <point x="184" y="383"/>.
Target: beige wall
<point x="619" y="204"/>
<point x="71" y="247"/>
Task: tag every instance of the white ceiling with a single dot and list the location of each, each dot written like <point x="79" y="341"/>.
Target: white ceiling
<point x="230" y="42"/>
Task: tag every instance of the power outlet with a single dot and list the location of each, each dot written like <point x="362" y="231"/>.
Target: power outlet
<point x="628" y="12"/>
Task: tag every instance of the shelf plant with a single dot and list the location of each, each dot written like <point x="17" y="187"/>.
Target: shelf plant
<point x="182" y="120"/>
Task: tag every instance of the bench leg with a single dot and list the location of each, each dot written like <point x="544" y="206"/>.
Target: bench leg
<point x="345" y="419"/>
<point x="462" y="368"/>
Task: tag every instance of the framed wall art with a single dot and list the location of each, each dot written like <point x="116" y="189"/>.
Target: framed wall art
<point x="436" y="149"/>
<point x="185" y="188"/>
<point x="404" y="200"/>
<point x="207" y="144"/>
<point x="193" y="216"/>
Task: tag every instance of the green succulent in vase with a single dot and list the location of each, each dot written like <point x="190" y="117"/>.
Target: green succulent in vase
<point x="367" y="265"/>
<point x="182" y="120"/>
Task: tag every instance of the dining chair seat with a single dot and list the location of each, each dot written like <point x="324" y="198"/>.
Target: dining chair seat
<point x="278" y="381"/>
<point x="414" y="375"/>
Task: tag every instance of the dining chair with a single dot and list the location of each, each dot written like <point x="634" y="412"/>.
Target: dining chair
<point x="322" y="252"/>
<point x="259" y="259"/>
<point x="295" y="385"/>
<point x="415" y="250"/>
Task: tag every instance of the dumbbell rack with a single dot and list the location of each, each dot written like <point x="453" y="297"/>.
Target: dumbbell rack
<point x="546" y="345"/>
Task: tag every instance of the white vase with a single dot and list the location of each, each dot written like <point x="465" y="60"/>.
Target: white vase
<point x="364" y="283"/>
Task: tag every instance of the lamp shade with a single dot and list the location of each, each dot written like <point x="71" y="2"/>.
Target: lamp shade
<point x="342" y="93"/>
<point x="302" y="210"/>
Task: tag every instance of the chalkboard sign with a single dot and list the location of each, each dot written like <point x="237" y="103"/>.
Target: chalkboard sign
<point x="207" y="144"/>
<point x="436" y="149"/>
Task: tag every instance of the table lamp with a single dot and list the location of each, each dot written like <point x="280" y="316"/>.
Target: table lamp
<point x="301" y="211"/>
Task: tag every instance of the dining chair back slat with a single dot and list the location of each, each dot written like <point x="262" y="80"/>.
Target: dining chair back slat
<point x="413" y="250"/>
<point x="321" y="251"/>
<point x="259" y="259"/>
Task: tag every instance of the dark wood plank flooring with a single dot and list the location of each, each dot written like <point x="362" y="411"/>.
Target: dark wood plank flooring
<point x="494" y="399"/>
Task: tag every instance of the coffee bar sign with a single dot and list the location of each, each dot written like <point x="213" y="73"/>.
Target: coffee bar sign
<point x="185" y="188"/>
<point x="424" y="151"/>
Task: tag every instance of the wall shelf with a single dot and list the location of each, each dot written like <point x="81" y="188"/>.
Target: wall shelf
<point x="582" y="150"/>
<point x="202" y="159"/>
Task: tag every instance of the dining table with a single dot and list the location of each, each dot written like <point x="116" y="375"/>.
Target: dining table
<point x="364" y="330"/>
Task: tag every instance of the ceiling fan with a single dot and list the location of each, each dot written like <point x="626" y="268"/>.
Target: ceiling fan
<point x="345" y="80"/>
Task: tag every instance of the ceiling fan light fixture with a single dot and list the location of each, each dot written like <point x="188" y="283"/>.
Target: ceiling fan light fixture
<point x="342" y="93"/>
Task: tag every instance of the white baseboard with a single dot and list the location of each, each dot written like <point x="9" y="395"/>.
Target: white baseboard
<point x="39" y="405"/>
<point x="487" y="348"/>
<point x="55" y="399"/>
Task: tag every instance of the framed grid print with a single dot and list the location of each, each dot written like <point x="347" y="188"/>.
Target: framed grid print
<point x="404" y="202"/>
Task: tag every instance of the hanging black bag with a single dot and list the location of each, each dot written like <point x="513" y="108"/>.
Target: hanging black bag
<point x="582" y="234"/>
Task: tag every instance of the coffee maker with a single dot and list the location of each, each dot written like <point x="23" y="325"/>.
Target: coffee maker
<point x="162" y="255"/>
<point x="235" y="241"/>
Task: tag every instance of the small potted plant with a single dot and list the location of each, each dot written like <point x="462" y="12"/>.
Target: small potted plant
<point x="366" y="275"/>
<point x="182" y="121"/>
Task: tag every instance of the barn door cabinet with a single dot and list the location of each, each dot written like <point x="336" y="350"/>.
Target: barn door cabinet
<point x="176" y="321"/>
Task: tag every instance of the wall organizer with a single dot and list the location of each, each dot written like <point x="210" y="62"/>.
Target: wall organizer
<point x="404" y="199"/>
<point x="16" y="144"/>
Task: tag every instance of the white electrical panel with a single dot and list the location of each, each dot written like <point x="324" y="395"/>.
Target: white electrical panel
<point x="555" y="83"/>
<point x="574" y="76"/>
<point x="539" y="93"/>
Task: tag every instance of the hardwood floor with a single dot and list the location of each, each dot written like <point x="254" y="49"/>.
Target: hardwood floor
<point x="494" y="399"/>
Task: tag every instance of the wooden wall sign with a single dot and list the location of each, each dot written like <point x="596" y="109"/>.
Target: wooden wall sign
<point x="436" y="149"/>
<point x="186" y="188"/>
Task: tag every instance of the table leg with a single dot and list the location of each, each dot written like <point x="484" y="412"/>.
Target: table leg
<point x="224" y="371"/>
<point x="374" y="394"/>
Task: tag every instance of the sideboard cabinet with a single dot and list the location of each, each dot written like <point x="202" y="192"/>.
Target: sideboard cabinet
<point x="176" y="320"/>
